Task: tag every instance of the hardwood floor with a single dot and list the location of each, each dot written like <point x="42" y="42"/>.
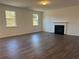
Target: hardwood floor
<point x="40" y="46"/>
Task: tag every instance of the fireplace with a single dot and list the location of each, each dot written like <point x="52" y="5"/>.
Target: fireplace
<point x="59" y="29"/>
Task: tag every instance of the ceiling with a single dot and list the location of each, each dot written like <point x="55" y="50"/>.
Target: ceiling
<point x="33" y="4"/>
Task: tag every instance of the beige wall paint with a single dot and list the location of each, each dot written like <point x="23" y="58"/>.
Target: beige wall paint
<point x="69" y="15"/>
<point x="23" y="19"/>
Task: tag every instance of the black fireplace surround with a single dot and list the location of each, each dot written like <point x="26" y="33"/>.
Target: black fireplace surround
<point x="59" y="29"/>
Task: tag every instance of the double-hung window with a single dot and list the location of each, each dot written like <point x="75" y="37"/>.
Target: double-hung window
<point x="35" y="20"/>
<point x="10" y="18"/>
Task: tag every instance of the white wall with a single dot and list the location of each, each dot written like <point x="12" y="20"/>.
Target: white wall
<point x="23" y="19"/>
<point x="68" y="14"/>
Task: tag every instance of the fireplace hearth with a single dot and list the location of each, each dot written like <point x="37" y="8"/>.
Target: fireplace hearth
<point x="59" y="29"/>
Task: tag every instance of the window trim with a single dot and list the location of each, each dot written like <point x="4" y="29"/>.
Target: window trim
<point x="14" y="26"/>
<point x="37" y="19"/>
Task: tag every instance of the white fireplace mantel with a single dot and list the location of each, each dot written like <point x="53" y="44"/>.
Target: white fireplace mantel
<point x="61" y="23"/>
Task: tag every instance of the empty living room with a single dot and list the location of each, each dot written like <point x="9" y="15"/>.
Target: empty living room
<point x="39" y="29"/>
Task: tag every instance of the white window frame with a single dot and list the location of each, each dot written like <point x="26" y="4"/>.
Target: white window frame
<point x="37" y="19"/>
<point x="14" y="19"/>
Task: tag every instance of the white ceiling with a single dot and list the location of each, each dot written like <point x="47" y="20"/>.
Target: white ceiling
<point x="33" y="4"/>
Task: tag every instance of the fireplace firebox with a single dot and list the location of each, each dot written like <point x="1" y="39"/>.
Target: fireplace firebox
<point x="59" y="29"/>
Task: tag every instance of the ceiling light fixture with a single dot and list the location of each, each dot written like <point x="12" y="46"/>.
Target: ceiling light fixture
<point x="45" y="2"/>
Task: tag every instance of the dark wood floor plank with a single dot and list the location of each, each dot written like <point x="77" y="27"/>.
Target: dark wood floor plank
<point x="40" y="46"/>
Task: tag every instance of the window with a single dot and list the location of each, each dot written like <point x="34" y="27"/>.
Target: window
<point x="10" y="18"/>
<point x="35" y="20"/>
